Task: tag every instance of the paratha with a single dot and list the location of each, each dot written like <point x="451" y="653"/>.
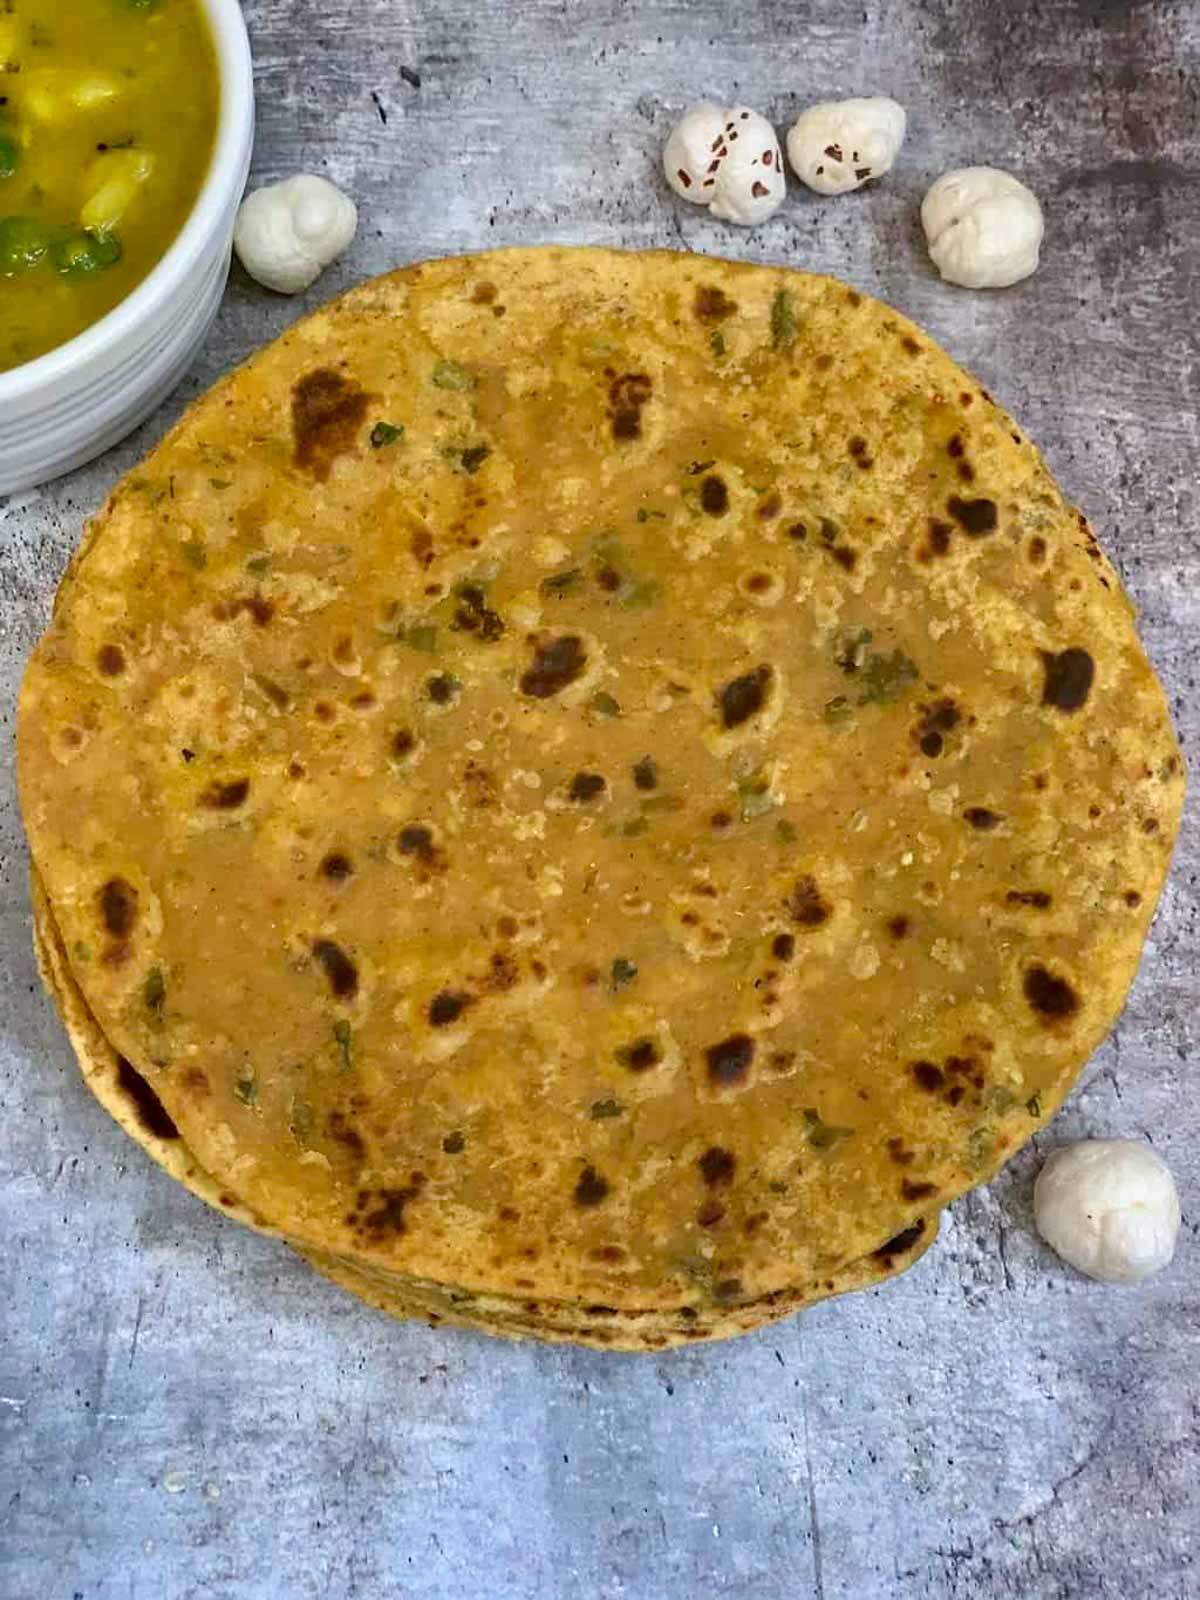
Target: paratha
<point x="598" y="779"/>
<point x="131" y="1101"/>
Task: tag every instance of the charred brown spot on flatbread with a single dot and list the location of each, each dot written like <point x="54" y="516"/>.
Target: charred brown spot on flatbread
<point x="1069" y="675"/>
<point x="118" y="905"/>
<point x="717" y="1167"/>
<point x="447" y="1006"/>
<point x="380" y="1213"/>
<point x="627" y="396"/>
<point x="443" y="688"/>
<point x="712" y="304"/>
<point x="936" y="721"/>
<point x="328" y="412"/>
<point x="557" y="663"/>
<point x="586" y="786"/>
<point x="742" y="698"/>
<point x="929" y="1076"/>
<point x="976" y="517"/>
<point x="474" y="615"/>
<point x="343" y="1132"/>
<point x="982" y="819"/>
<point x="337" y="867"/>
<point x="416" y="840"/>
<point x="591" y="1188"/>
<point x="729" y="1061"/>
<point x="256" y="606"/>
<point x="227" y="796"/>
<point x="1050" y="995"/>
<point x="860" y="452"/>
<point x="714" y="496"/>
<point x="940" y="536"/>
<point x="640" y="1055"/>
<point x="916" y="1191"/>
<point x="338" y="968"/>
<point x="645" y="774"/>
<point x="902" y="1242"/>
<point x="1039" y="899"/>
<point x="151" y="1112"/>
<point x="806" y="905"/>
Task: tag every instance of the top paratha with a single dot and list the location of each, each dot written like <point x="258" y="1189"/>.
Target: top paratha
<point x="618" y="776"/>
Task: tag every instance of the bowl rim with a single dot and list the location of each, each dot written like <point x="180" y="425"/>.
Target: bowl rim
<point x="223" y="181"/>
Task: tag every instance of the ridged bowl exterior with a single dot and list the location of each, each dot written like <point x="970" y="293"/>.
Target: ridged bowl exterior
<point x="77" y="401"/>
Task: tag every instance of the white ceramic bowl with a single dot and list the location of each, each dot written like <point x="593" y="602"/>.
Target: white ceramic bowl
<point x="67" y="406"/>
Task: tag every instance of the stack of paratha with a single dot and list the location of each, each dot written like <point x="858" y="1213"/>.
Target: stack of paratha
<point x="593" y="793"/>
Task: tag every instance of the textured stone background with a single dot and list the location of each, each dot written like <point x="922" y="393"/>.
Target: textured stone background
<point x="186" y="1411"/>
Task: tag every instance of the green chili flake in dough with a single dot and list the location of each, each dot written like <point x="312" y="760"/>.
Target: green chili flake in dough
<point x="623" y="973"/>
<point x="783" y="321"/>
<point x="154" y="993"/>
<point x="754" y="797"/>
<point x="980" y="1147"/>
<point x="639" y="592"/>
<point x="259" y="565"/>
<point x="560" y="583"/>
<point x="645" y="513"/>
<point x="194" y="554"/>
<point x="662" y="802"/>
<point x="10" y="156"/>
<point x="606" y="1108"/>
<point x="885" y="678"/>
<point x="419" y="636"/>
<point x="786" y="832"/>
<point x="838" y="712"/>
<point x="245" y="1087"/>
<point x="604" y="705"/>
<point x="385" y="433"/>
<point x="852" y="649"/>
<point x="716" y="341"/>
<point x="823" y="1135"/>
<point x="613" y="574"/>
<point x="344" y="1040"/>
<point x="449" y="375"/>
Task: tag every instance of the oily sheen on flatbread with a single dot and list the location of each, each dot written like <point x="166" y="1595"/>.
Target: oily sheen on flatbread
<point x="592" y="779"/>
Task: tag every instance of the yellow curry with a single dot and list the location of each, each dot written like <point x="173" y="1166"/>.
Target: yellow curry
<point x="107" y="114"/>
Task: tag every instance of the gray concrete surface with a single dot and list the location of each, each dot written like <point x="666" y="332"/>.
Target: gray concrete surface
<point x="186" y="1411"/>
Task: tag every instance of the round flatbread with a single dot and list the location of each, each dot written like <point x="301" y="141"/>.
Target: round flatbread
<point x="133" y="1104"/>
<point x="599" y="779"/>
